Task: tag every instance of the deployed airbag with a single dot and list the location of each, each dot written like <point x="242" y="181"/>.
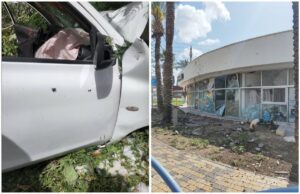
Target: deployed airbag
<point x="64" y="45"/>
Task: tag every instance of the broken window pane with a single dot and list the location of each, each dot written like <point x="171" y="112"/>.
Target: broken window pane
<point x="277" y="112"/>
<point x="207" y="102"/>
<point x="219" y="102"/>
<point x="250" y="106"/>
<point x="274" y="95"/>
<point x="220" y="82"/>
<point x="274" y="77"/>
<point x="252" y="79"/>
<point x="232" y="103"/>
<point x="292" y="104"/>
<point x="189" y="99"/>
<point x="232" y="81"/>
<point x="194" y="99"/>
<point x="203" y="84"/>
<point x="291" y="76"/>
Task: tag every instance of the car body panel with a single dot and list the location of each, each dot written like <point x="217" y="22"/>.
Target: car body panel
<point x="135" y="90"/>
<point x="51" y="108"/>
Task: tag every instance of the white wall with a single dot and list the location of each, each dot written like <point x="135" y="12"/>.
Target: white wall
<point x="270" y="51"/>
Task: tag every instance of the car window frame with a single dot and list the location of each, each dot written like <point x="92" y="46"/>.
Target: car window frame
<point x="45" y="60"/>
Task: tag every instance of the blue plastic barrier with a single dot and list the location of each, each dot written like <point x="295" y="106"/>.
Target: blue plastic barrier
<point x="165" y="175"/>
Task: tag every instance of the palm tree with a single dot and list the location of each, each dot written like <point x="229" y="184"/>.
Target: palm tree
<point x="294" y="171"/>
<point x="157" y="33"/>
<point x="181" y="64"/>
<point x="168" y="66"/>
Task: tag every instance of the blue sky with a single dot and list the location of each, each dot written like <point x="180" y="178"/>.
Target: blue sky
<point x="213" y="25"/>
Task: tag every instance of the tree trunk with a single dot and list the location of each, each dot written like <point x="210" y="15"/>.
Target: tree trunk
<point x="168" y="65"/>
<point x="158" y="74"/>
<point x="294" y="171"/>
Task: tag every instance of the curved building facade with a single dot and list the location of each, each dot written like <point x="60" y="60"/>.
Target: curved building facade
<point x="245" y="80"/>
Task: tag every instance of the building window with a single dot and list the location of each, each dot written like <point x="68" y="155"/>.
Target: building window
<point x="220" y="102"/>
<point x="220" y="82"/>
<point x="252" y="79"/>
<point x="291" y="76"/>
<point x="274" y="95"/>
<point x="274" y="77"/>
<point x="250" y="103"/>
<point x="292" y="104"/>
<point x="232" y="81"/>
<point x="206" y="100"/>
<point x="232" y="103"/>
<point x="277" y="112"/>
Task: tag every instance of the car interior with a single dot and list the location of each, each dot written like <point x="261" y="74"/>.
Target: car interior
<point x="58" y="16"/>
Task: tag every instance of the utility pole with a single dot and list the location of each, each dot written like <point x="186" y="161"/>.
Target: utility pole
<point x="191" y="53"/>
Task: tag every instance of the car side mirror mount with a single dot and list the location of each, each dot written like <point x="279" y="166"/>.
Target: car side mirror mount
<point x="104" y="55"/>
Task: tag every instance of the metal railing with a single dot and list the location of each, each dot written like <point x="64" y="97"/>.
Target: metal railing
<point x="163" y="173"/>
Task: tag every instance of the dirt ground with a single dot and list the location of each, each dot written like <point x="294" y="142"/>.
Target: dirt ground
<point x="230" y="142"/>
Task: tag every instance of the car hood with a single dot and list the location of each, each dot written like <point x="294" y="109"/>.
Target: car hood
<point x="130" y="20"/>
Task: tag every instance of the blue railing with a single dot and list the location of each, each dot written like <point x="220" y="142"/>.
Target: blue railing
<point x="163" y="173"/>
<point x="293" y="189"/>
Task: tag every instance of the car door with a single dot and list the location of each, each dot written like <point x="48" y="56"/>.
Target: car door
<point x="53" y="106"/>
<point x="130" y="21"/>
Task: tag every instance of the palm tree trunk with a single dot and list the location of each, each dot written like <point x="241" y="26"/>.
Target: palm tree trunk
<point x="294" y="171"/>
<point x="168" y="66"/>
<point x="158" y="74"/>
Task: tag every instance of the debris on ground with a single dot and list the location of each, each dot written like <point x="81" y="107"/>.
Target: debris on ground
<point x="289" y="139"/>
<point x="254" y="123"/>
<point x="285" y="129"/>
<point x="226" y="144"/>
<point x="141" y="188"/>
<point x="118" y="167"/>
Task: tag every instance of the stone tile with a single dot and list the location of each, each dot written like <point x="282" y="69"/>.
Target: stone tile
<point x="196" y="174"/>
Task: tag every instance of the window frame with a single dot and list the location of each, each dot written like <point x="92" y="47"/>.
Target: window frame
<point x="45" y="60"/>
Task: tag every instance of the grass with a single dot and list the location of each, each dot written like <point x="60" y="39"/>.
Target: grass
<point x="60" y="174"/>
<point x="175" y="102"/>
<point x="181" y="143"/>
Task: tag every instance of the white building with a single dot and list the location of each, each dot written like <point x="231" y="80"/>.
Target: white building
<point x="245" y="80"/>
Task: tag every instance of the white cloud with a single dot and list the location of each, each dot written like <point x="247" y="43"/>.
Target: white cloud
<point x="185" y="54"/>
<point x="192" y="23"/>
<point x="209" y="41"/>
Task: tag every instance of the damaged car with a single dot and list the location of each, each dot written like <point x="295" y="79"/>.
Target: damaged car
<point x="68" y="86"/>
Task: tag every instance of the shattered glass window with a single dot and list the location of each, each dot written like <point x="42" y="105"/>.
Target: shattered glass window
<point x="252" y="79"/>
<point x="274" y="95"/>
<point x="207" y="102"/>
<point x="250" y="106"/>
<point x="232" y="81"/>
<point x="220" y="82"/>
<point x="203" y="84"/>
<point x="274" y="77"/>
<point x="220" y="101"/>
<point x="232" y="103"/>
<point x="277" y="112"/>
<point x="291" y="76"/>
<point x="292" y="104"/>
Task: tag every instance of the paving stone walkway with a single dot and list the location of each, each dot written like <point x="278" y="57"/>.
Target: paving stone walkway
<point x="197" y="174"/>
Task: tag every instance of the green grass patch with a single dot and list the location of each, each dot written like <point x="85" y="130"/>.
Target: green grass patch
<point x="177" y="101"/>
<point x="60" y="175"/>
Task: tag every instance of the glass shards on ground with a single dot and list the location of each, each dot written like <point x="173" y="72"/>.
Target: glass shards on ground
<point x="119" y="167"/>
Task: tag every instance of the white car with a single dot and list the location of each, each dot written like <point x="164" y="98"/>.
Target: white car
<point x="53" y="106"/>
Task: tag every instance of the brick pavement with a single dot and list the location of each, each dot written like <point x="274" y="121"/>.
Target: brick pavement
<point x="197" y="174"/>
